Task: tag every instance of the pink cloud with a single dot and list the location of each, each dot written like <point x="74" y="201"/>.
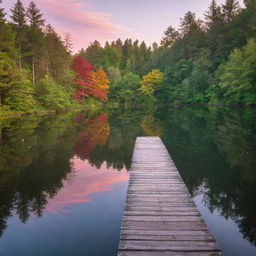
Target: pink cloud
<point x="74" y="17"/>
<point x="84" y="26"/>
<point x="87" y="180"/>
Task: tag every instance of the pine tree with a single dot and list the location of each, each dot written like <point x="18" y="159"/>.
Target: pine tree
<point x="230" y="9"/>
<point x="6" y="36"/>
<point x="35" y="36"/>
<point x="213" y="15"/>
<point x="94" y="53"/>
<point x="189" y="23"/>
<point x="2" y="14"/>
<point x="34" y="16"/>
<point x="19" y="19"/>
<point x="68" y="43"/>
<point x="170" y="36"/>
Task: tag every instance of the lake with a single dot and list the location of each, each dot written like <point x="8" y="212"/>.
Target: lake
<point x="63" y="178"/>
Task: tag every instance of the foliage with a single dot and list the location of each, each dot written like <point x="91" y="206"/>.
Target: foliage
<point x="125" y="90"/>
<point x="52" y="95"/>
<point x="237" y="77"/>
<point x="90" y="82"/>
<point x="152" y="82"/>
<point x="20" y="96"/>
<point x="100" y="83"/>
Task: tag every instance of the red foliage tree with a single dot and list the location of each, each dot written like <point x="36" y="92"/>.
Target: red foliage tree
<point x="83" y="69"/>
<point x="89" y="82"/>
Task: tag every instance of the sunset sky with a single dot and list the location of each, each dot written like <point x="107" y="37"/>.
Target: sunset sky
<point x="87" y="20"/>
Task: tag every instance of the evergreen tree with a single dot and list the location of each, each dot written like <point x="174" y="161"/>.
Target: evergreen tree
<point x="35" y="38"/>
<point x="170" y="36"/>
<point x="2" y="14"/>
<point x="19" y="19"/>
<point x="7" y="68"/>
<point x="94" y="53"/>
<point x="68" y="43"/>
<point x="214" y="15"/>
<point x="189" y="23"/>
<point x="230" y="9"/>
<point x="35" y="17"/>
<point x="20" y="97"/>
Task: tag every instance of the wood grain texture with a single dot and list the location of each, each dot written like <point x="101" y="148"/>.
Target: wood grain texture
<point x="160" y="217"/>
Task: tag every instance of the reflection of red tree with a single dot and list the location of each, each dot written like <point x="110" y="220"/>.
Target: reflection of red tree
<point x="95" y="134"/>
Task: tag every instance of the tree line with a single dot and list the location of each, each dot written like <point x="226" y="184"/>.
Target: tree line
<point x="37" y="69"/>
<point x="202" y="61"/>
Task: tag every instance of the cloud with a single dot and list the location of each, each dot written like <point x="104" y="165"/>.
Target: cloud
<point x="88" y="180"/>
<point x="73" y="16"/>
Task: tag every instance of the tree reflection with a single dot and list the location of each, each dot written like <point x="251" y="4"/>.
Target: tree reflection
<point x="96" y="133"/>
<point x="215" y="152"/>
<point x="32" y="163"/>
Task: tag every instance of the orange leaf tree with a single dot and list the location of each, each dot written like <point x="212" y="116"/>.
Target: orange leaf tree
<point x="100" y="83"/>
<point x="89" y="82"/>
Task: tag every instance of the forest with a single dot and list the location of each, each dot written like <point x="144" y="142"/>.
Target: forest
<point x="209" y="61"/>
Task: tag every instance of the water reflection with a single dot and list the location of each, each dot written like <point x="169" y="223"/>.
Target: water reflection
<point x="50" y="163"/>
<point x="86" y="182"/>
<point x="215" y="151"/>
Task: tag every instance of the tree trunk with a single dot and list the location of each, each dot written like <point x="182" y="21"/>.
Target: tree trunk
<point x="33" y="71"/>
<point x="20" y="56"/>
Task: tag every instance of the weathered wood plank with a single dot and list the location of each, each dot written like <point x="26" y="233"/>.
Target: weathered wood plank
<point x="164" y="225"/>
<point x="162" y="209"/>
<point x="160" y="217"/>
<point x="165" y="232"/>
<point x="167" y="238"/>
<point x="168" y="245"/>
<point x="167" y="253"/>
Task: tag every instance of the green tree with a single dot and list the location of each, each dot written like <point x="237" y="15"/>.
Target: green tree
<point x="19" y="20"/>
<point x="237" y="77"/>
<point x="125" y="90"/>
<point x="214" y="15"/>
<point x="20" y="96"/>
<point x="35" y="38"/>
<point x="52" y="95"/>
<point x="7" y="69"/>
<point x="35" y="17"/>
<point x="189" y="23"/>
<point x="230" y="9"/>
<point x="94" y="53"/>
<point x="170" y="37"/>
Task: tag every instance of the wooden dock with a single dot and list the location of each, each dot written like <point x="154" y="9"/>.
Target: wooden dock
<point x="160" y="217"/>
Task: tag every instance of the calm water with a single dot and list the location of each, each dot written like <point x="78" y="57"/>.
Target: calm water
<point x="63" y="178"/>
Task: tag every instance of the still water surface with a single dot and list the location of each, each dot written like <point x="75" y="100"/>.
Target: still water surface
<point x="63" y="178"/>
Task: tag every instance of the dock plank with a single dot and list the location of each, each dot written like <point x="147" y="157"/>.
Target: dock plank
<point x="160" y="217"/>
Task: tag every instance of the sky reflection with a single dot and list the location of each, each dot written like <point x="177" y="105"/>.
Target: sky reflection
<point x="86" y="180"/>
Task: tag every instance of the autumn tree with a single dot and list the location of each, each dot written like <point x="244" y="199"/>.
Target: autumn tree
<point x="100" y="84"/>
<point x="152" y="82"/>
<point x="96" y="133"/>
<point x="83" y="68"/>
